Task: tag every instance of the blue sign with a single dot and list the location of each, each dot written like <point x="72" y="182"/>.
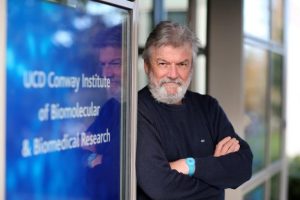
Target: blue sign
<point x="63" y="100"/>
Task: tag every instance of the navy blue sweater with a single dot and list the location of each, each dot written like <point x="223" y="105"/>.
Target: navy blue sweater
<point x="170" y="132"/>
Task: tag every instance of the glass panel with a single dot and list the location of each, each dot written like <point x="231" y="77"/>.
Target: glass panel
<point x="145" y="21"/>
<point x="256" y="73"/>
<point x="277" y="20"/>
<point x="256" y="18"/>
<point x="275" y="187"/>
<point x="177" y="10"/>
<point x="201" y="21"/>
<point x="276" y="108"/>
<point x="256" y="194"/>
<point x="64" y="73"/>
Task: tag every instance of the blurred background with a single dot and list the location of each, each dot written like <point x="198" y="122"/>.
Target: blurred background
<point x="249" y="61"/>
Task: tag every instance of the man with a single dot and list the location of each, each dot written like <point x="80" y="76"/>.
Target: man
<point x="186" y="146"/>
<point x="103" y="162"/>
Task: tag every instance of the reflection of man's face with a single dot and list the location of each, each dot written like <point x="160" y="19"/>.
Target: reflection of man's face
<point x="170" y="72"/>
<point x="110" y="60"/>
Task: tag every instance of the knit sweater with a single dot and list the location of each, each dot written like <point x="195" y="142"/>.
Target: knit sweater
<point x="193" y="129"/>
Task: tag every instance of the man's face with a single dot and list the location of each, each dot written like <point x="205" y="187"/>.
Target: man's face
<point x="110" y="60"/>
<point x="170" y="72"/>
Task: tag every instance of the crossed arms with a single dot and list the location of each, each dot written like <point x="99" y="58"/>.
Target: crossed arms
<point x="225" y="146"/>
<point x="228" y="166"/>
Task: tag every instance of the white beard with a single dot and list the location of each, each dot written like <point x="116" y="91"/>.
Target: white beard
<point x="160" y="93"/>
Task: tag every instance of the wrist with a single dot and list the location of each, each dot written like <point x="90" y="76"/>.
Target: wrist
<point x="93" y="160"/>
<point x="191" y="165"/>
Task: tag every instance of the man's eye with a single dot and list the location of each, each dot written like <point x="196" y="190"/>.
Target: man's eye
<point x="115" y="63"/>
<point x="162" y="64"/>
<point x="183" y="65"/>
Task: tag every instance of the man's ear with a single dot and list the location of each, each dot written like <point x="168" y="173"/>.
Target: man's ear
<point x="146" y="67"/>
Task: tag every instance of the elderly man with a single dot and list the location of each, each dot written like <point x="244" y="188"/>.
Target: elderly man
<point x="186" y="146"/>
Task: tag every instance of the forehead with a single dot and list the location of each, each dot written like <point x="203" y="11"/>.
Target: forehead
<point x="110" y="52"/>
<point x="172" y="53"/>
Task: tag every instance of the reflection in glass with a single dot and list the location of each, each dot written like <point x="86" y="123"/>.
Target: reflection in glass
<point x="256" y="18"/>
<point x="71" y="150"/>
<point x="276" y="107"/>
<point x="256" y="73"/>
<point x="256" y="194"/>
<point x="275" y="187"/>
<point x="277" y="20"/>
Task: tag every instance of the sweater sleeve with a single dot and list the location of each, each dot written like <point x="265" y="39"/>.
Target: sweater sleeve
<point x="228" y="171"/>
<point x="154" y="175"/>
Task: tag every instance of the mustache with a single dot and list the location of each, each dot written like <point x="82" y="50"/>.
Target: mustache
<point x="168" y="80"/>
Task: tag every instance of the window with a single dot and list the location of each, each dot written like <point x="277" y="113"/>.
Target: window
<point x="256" y="81"/>
<point x="264" y="94"/>
<point x="257" y="25"/>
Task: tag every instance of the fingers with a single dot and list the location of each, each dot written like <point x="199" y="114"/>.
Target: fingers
<point x="230" y="146"/>
<point x="222" y="143"/>
<point x="226" y="146"/>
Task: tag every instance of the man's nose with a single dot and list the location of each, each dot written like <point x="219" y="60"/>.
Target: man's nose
<point x="173" y="71"/>
<point x="108" y="71"/>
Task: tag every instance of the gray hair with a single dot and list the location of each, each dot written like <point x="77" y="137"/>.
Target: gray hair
<point x="170" y="33"/>
<point x="109" y="37"/>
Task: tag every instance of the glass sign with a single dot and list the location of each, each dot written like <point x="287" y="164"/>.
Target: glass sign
<point x="63" y="101"/>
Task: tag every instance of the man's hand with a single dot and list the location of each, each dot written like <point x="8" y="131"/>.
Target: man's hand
<point x="226" y="146"/>
<point x="180" y="166"/>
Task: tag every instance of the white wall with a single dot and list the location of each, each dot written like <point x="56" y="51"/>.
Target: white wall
<point x="225" y="72"/>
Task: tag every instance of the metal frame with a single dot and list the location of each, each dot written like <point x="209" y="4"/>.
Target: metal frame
<point x="284" y="172"/>
<point x="131" y="112"/>
<point x="121" y="3"/>
<point x="261" y="177"/>
<point x="2" y="96"/>
<point x="269" y="45"/>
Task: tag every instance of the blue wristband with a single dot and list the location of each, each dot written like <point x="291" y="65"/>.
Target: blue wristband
<point x="90" y="159"/>
<point x="191" y="164"/>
